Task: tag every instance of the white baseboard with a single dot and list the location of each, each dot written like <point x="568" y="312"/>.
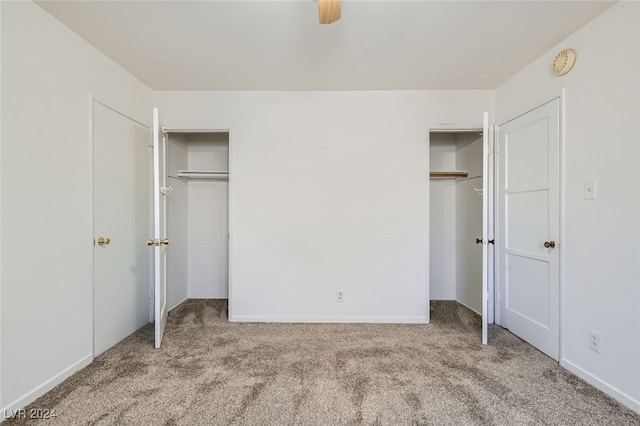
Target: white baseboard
<point x="177" y="304"/>
<point x="329" y="319"/>
<point x="45" y="387"/>
<point x="468" y="307"/>
<point x="605" y="387"/>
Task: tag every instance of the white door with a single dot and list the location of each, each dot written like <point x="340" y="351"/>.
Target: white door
<point x="528" y="227"/>
<point x="159" y="241"/>
<point x="122" y="223"/>
<point x="486" y="218"/>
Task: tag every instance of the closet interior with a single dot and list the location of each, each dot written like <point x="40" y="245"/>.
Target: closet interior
<point x="455" y="162"/>
<point x="197" y="216"/>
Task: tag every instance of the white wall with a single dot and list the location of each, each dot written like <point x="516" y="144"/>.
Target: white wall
<point x="208" y="239"/>
<point x="208" y="223"/>
<point x="601" y="239"/>
<point x="328" y="192"/>
<point x="442" y="218"/>
<point x="209" y="152"/>
<point x="47" y="232"/>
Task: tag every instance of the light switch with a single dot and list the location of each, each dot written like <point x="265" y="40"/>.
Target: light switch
<point x="590" y="190"/>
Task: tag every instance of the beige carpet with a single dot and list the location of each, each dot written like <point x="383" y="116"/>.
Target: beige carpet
<point x="212" y="372"/>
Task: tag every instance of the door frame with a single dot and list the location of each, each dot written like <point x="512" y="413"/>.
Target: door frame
<point x="561" y="97"/>
<point x="491" y="276"/>
<point x="231" y="215"/>
<point x="92" y="201"/>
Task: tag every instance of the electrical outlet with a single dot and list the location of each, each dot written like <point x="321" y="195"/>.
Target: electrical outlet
<point x="594" y="341"/>
<point x="339" y="296"/>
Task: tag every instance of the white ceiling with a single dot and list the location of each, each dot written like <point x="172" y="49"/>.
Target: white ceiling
<point x="279" y="45"/>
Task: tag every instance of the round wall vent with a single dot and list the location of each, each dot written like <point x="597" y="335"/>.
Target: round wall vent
<point x="563" y="62"/>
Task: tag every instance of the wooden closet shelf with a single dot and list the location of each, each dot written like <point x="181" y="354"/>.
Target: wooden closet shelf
<point x="449" y="175"/>
<point x="199" y="174"/>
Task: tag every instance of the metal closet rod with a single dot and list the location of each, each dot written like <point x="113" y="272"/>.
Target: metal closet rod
<point x="172" y="130"/>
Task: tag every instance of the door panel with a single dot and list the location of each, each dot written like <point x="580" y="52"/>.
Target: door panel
<point x="525" y="297"/>
<point x="528" y="216"/>
<point x="527" y="159"/>
<point x="122" y="215"/>
<point x="527" y="210"/>
<point x="159" y="228"/>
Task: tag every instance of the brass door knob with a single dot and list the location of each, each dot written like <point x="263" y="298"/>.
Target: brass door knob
<point x="164" y="241"/>
<point x="102" y="241"/>
<point x="150" y="242"/>
<point x="550" y="244"/>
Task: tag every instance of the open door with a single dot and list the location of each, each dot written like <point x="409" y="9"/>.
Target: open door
<point x="528" y="208"/>
<point x="159" y="241"/>
<point x="486" y="218"/>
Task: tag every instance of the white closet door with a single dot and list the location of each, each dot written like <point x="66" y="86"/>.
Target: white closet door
<point x="486" y="218"/>
<point x="160" y="240"/>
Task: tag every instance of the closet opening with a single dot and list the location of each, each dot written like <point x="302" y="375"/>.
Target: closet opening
<point x="197" y="165"/>
<point x="455" y="216"/>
